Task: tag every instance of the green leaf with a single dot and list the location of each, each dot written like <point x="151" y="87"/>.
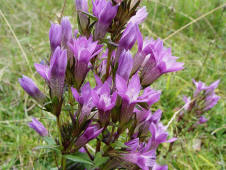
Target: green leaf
<point x="118" y="144"/>
<point x="51" y="147"/>
<point x="99" y="160"/>
<point x="78" y="157"/>
<point x="89" y="15"/>
<point x="49" y="140"/>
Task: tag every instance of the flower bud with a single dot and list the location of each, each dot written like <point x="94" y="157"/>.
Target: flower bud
<point x="82" y="6"/>
<point x="30" y="87"/>
<point x="55" y="36"/>
<point x="105" y="13"/>
<point x="66" y="31"/>
<point x="125" y="65"/>
<point x="38" y="127"/>
<point x="57" y="69"/>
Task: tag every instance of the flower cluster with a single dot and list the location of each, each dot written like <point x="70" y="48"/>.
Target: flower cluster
<point x="203" y="99"/>
<point x="121" y="100"/>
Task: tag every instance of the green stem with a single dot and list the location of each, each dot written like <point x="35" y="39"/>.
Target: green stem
<point x="63" y="160"/>
<point x="63" y="163"/>
<point x="108" y="63"/>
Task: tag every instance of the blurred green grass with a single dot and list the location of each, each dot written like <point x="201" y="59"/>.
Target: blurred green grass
<point x="201" y="46"/>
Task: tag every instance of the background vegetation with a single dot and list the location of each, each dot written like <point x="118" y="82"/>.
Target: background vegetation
<point x="195" y="30"/>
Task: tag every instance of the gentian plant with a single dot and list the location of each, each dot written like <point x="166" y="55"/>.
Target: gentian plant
<point x="109" y="126"/>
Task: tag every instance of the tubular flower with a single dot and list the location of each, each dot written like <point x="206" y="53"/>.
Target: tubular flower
<point x="210" y="98"/>
<point x="84" y="99"/>
<point x="91" y="132"/>
<point x="145" y="118"/>
<point x="125" y="65"/>
<point x="30" y="87"/>
<point x="159" y="135"/>
<point x="66" y="31"/>
<point x="132" y="33"/>
<point x="140" y="16"/>
<point x="206" y="94"/>
<point x="105" y="13"/>
<point x="202" y="120"/>
<point x="38" y="127"/>
<point x="84" y="50"/>
<point x="159" y="167"/>
<point x="55" y="73"/>
<point x="130" y="95"/>
<point x="137" y="154"/>
<point x="159" y="62"/>
<point x="104" y="101"/>
<point x="55" y="36"/>
<point x="82" y="6"/>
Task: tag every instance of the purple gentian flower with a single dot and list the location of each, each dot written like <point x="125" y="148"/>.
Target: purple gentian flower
<point x="104" y="101"/>
<point x="84" y="50"/>
<point x="202" y="120"/>
<point x="38" y="127"/>
<point x="140" y="16"/>
<point x="125" y="65"/>
<point x="159" y="62"/>
<point x="145" y="160"/>
<point x="84" y="99"/>
<point x="160" y="167"/>
<point x="30" y="87"/>
<point x="82" y="6"/>
<point x="144" y="120"/>
<point x="105" y="13"/>
<point x="130" y="95"/>
<point x="55" y="36"/>
<point x="211" y="98"/>
<point x="136" y="155"/>
<point x="144" y="154"/>
<point x="159" y="135"/>
<point x="130" y="35"/>
<point x="91" y="132"/>
<point x="144" y="49"/>
<point x="66" y="31"/>
<point x="55" y="73"/>
<point x="211" y="101"/>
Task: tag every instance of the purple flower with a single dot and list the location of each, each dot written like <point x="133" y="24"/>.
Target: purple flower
<point x="104" y="101"/>
<point x="144" y="154"/>
<point x="84" y="50"/>
<point x="211" y="101"/>
<point x="140" y="16"/>
<point x="210" y="98"/>
<point x="55" y="73"/>
<point x="159" y="62"/>
<point x="66" y="31"/>
<point x="136" y="154"/>
<point x="84" y="99"/>
<point x="82" y="6"/>
<point x="144" y="160"/>
<point x="160" y="167"/>
<point x="38" y="127"/>
<point x="159" y="135"/>
<point x="30" y="87"/>
<point x="105" y="13"/>
<point x="125" y="65"/>
<point x="55" y="36"/>
<point x="202" y="120"/>
<point x="130" y="95"/>
<point x="91" y="132"/>
<point x="144" y="120"/>
<point x="144" y="48"/>
<point x="130" y="35"/>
